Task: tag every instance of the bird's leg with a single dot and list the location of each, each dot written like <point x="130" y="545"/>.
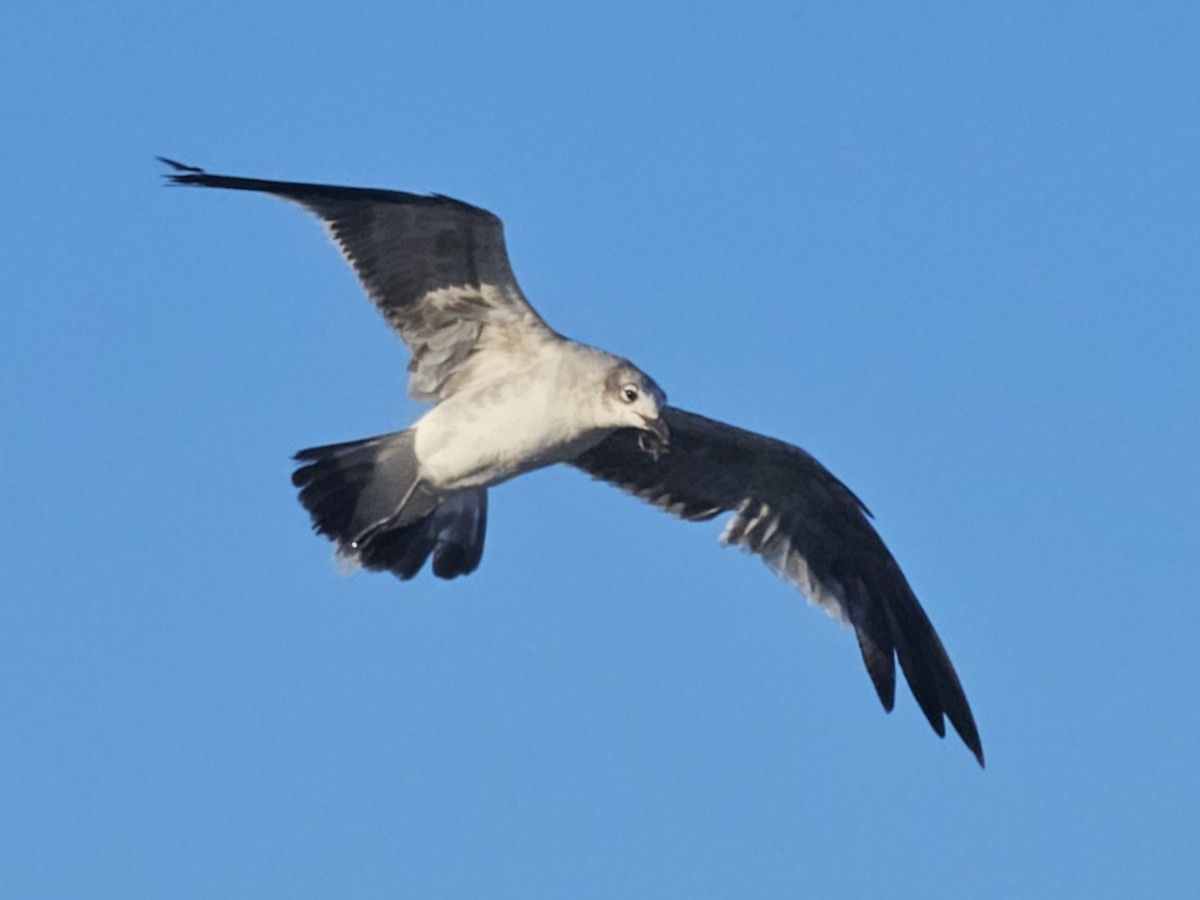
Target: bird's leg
<point x="651" y="443"/>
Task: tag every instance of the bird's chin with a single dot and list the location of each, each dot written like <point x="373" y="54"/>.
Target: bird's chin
<point x="655" y="439"/>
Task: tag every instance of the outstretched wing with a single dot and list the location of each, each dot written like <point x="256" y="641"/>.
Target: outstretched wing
<point x="436" y="268"/>
<point x="810" y="530"/>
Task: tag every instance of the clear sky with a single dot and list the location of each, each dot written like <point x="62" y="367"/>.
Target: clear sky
<point x="949" y="248"/>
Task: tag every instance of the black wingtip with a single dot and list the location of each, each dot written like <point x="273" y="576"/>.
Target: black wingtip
<point x="969" y="733"/>
<point x="973" y="744"/>
<point x="183" y="174"/>
<point x="958" y="712"/>
<point x="178" y="166"/>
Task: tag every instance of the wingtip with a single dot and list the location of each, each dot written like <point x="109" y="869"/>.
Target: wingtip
<point x="968" y="735"/>
<point x="183" y="173"/>
<point x="974" y="744"/>
<point x="178" y="166"/>
<point x="963" y="723"/>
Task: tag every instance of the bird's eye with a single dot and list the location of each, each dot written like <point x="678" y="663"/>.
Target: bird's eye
<point x="629" y="392"/>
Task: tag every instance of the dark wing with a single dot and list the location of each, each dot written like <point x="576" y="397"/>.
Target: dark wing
<point x="436" y="268"/>
<point x="810" y="530"/>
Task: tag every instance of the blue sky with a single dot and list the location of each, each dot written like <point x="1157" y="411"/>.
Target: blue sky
<point x="949" y="250"/>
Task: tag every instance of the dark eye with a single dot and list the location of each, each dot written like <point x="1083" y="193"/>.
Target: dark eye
<point x="629" y="392"/>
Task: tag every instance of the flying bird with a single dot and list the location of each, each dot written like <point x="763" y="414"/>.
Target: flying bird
<point x="509" y="395"/>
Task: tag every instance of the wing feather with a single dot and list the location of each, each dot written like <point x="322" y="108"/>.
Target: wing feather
<point x="436" y="268"/>
<point x="811" y="530"/>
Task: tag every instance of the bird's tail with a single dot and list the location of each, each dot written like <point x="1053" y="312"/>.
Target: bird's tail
<point x="368" y="496"/>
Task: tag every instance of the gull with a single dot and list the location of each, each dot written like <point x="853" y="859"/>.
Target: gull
<point x="510" y="395"/>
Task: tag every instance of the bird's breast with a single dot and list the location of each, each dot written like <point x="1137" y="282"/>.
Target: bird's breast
<point x="482" y="437"/>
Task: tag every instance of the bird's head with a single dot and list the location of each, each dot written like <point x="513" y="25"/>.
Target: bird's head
<point x="633" y="400"/>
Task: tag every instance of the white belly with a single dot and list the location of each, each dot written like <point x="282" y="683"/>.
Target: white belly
<point x="479" y="438"/>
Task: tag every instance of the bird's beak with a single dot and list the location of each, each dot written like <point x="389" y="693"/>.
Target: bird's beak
<point x="655" y="439"/>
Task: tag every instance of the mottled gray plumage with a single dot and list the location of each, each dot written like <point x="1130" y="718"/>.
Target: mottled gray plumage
<point x="511" y="395"/>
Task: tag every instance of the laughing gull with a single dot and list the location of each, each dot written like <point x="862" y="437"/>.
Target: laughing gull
<point x="510" y="395"/>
